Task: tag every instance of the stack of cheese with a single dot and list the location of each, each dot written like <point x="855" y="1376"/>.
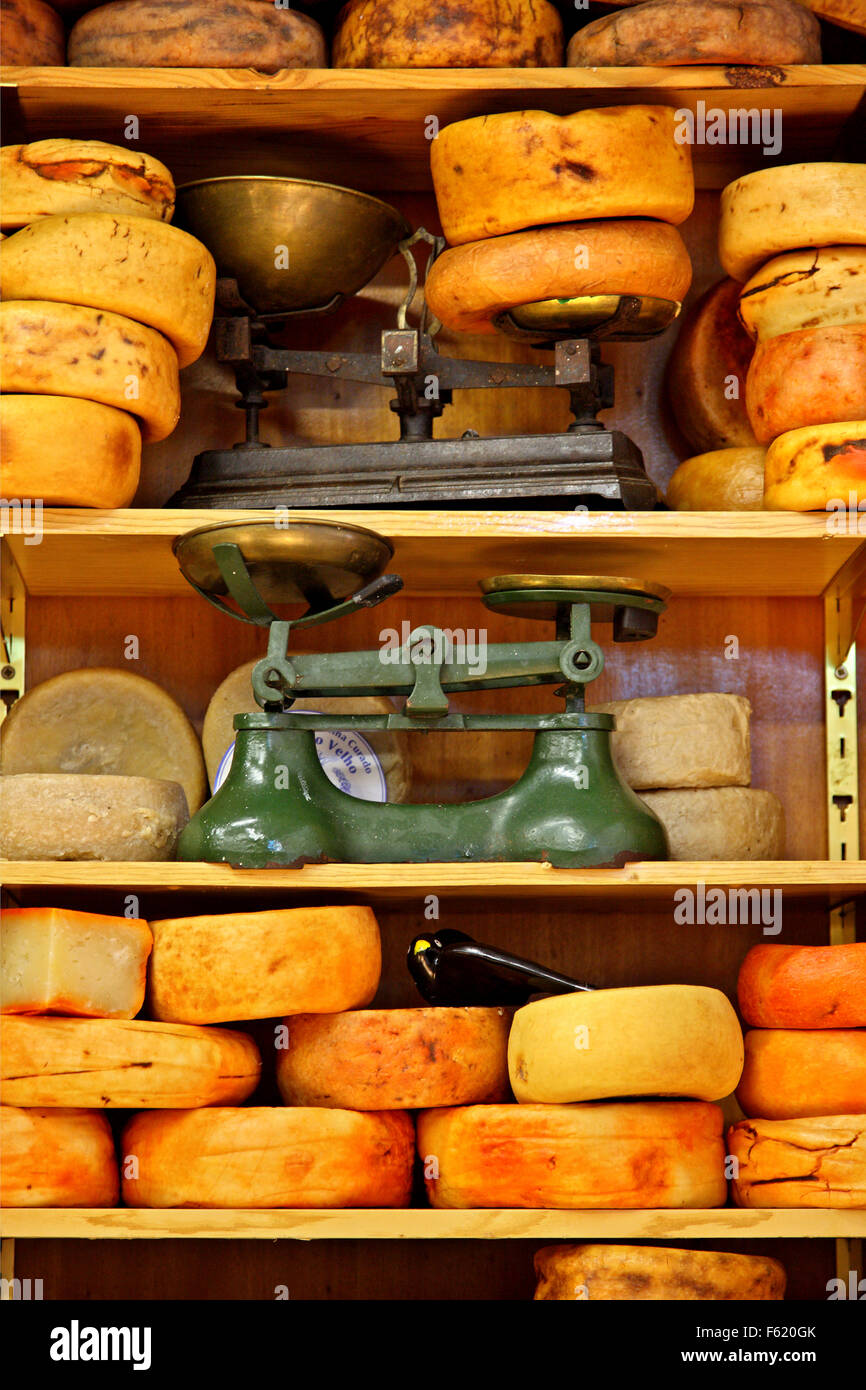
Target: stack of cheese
<point x="804" y="1082"/>
<point x="197" y="34"/>
<point x="449" y="34"/>
<point x="538" y="207"/>
<point x="669" y="33"/>
<point x="103" y="303"/>
<point x="689" y="757"/>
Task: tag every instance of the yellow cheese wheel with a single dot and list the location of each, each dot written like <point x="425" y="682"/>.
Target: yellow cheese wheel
<point x="68" y="452"/>
<point x="706" y="374"/>
<point x="146" y="270"/>
<point x="57" y="1158"/>
<point x="848" y="14"/>
<point x="818" y="288"/>
<point x="817" y="1161"/>
<point x="395" y="1059"/>
<point x="816" y="468"/>
<point x="720" y="823"/>
<point x="639" y="1273"/>
<point x="816" y="376"/>
<point x="725" y="480"/>
<point x="790" y="1073"/>
<point x="123" y="1064"/>
<point x="197" y="34"/>
<point x="649" y="1040"/>
<point x="260" y="1157"/>
<point x="790" y="206"/>
<point x="65" y="816"/>
<point x="67" y="350"/>
<point x="636" y="1154"/>
<point x="33" y="34"/>
<point x="61" y="176"/>
<point x="501" y="173"/>
<point x="451" y="34"/>
<point x="699" y="740"/>
<point x="239" y="965"/>
<point x="467" y="286"/>
<point x="665" y="33"/>
<point x="55" y="960"/>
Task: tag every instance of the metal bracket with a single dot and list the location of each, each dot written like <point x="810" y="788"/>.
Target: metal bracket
<point x="12" y="631"/>
<point x="840" y="695"/>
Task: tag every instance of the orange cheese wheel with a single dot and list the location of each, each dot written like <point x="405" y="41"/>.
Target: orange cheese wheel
<point x="804" y="986"/>
<point x="57" y="1158"/>
<point x="790" y="1073"/>
<point x="813" y="377"/>
<point x="706" y="375"/>
<point x="33" y="35"/>
<point x="632" y="1154"/>
<point x="197" y="34"/>
<point x="60" y="176"/>
<point x="449" y="34"/>
<point x="725" y="480"/>
<point x="68" y="452"/>
<point x="817" y="468"/>
<point x="637" y="1273"/>
<point x="817" y="1161"/>
<point x="395" y="1059"/>
<point x="666" y="33"/>
<point x="263" y="1157"/>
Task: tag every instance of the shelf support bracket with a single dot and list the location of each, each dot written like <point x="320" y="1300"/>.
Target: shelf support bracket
<point x="12" y="629"/>
<point x="7" y="1267"/>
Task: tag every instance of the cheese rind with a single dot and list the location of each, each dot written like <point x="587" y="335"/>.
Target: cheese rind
<point x="817" y="1161"/>
<point x="788" y="206"/>
<point x="197" y="34"/>
<point x="62" y="176"/>
<point x="68" y="452"/>
<point x="260" y="1157"/>
<point x="699" y="740"/>
<point x="57" y="1158"/>
<point x="33" y="34"/>
<point x="706" y="374"/>
<point x="638" y="1273"/>
<point x="54" y="960"/>
<point x="56" y="815"/>
<point x="725" y="480"/>
<point x="720" y="823"/>
<point x="666" y="33"/>
<point x="818" y="288"/>
<point x="815" y="376"/>
<point x="487" y="34"/>
<point x="790" y="1073"/>
<point x="804" y="986"/>
<point x="817" y="468"/>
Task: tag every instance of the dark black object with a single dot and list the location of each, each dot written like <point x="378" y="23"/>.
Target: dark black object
<point x="449" y="967"/>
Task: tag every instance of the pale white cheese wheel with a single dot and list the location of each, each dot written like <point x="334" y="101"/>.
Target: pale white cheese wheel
<point x="56" y="960"/>
<point x="720" y="823"/>
<point x="61" y="815"/>
<point x="788" y="206"/>
<point x="60" y="176"/>
<point x="57" y="1158"/>
<point x="697" y="740"/>
<point x="823" y="287"/>
<point x="724" y="480"/>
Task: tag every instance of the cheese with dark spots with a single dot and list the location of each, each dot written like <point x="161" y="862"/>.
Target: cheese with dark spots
<point x="448" y="34"/>
<point x="668" y="33"/>
<point x="787" y="207"/>
<point x="816" y="468"/>
<point x="33" y="34"/>
<point x="816" y="288"/>
<point x="52" y="177"/>
<point x="629" y="1273"/>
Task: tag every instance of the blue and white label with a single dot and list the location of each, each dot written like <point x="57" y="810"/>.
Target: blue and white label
<point x="346" y="756"/>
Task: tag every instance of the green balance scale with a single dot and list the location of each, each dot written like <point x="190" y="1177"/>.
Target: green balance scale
<point x="277" y="806"/>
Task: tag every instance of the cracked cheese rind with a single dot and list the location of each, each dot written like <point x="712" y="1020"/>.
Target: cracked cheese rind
<point x="790" y="1073"/>
<point x="33" y="34"/>
<point x="817" y="1161"/>
<point x="49" y="177"/>
<point x="68" y="452"/>
<point x="818" y="288"/>
<point x="788" y="206"/>
<point x="712" y="351"/>
<point x="639" y="1273"/>
<point x="720" y="823"/>
<point x="699" y="740"/>
<point x="54" y="960"/>
<point x="123" y="1064"/>
<point x="724" y="480"/>
<point x="815" y="376"/>
<point x="804" y="986"/>
<point x="57" y="1158"/>
<point x="666" y="33"/>
<point x="451" y="34"/>
<point x="816" y="468"/>
<point x="57" y="815"/>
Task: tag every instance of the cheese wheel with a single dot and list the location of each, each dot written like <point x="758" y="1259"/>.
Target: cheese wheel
<point x="665" y="33"/>
<point x="804" y="986"/>
<point x="146" y="270"/>
<point x="234" y="696"/>
<point x="650" y="1040"/>
<point x="642" y="1273"/>
<point x="65" y="816"/>
<point x="789" y="1073"/>
<point x="638" y="1154"/>
<point x="119" y="1064"/>
<point x="103" y="721"/>
<point x="68" y="452"/>
<point x="467" y="286"/>
<point x="262" y="1157"/>
<point x="789" y="206"/>
<point x="681" y="740"/>
<point x="726" y="480"/>
<point x="819" y="288"/>
<point x="66" y="350"/>
<point x="485" y="34"/>
<point x="818" y="1161"/>
<point x="62" y="176"/>
<point x="720" y="823"/>
<point x="817" y="468"/>
<point x="515" y="169"/>
<point x="848" y="14"/>
<point x="816" y="376"/>
<point x="395" y="1059"/>
<point x="706" y="374"/>
<point x="196" y="34"/>
<point x="54" y="960"/>
<point x="226" y="967"/>
<point x="57" y="1158"/>
<point x="33" y="35"/>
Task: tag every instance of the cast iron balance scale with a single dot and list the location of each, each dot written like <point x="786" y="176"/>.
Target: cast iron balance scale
<point x="288" y="249"/>
<point x="277" y="806"/>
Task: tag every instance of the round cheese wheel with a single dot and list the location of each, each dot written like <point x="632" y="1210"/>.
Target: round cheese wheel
<point x="665" y="33"/>
<point x="817" y="468"/>
<point x="818" y="1161"/>
<point x="681" y="740"/>
<point x="789" y="206"/>
<point x="33" y="35"/>
<point x="395" y="1059"/>
<point x="66" y="350"/>
<point x="57" y="1158"/>
<point x="260" y="1157"/>
<point x="639" y="1273"/>
<point x="848" y="14"/>
<point x="146" y="270"/>
<point x="720" y="823"/>
<point x="55" y="960"/>
<point x="818" y="288"/>
<point x="706" y="374"/>
<point x="196" y="34"/>
<point x="804" y="986"/>
<point x="637" y="1154"/>
<point x="516" y="169"/>
<point x="789" y="1073"/>
<point x="234" y="696"/>
<point x="62" y="176"/>
<point x="104" y="721"/>
<point x="230" y="966"/>
<point x="467" y="286"/>
<point x="816" y="376"/>
<point x="68" y="452"/>
<point x="124" y="1063"/>
<point x="485" y="34"/>
<point x="650" y="1040"/>
<point x="726" y="480"/>
<point x="66" y="816"/>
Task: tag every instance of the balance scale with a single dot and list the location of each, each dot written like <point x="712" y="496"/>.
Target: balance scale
<point x="288" y="249"/>
<point x="277" y="806"/>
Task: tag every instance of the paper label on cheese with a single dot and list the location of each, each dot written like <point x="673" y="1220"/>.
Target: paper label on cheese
<point x="348" y="759"/>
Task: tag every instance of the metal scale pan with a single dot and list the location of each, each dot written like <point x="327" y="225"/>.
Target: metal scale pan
<point x="611" y="317"/>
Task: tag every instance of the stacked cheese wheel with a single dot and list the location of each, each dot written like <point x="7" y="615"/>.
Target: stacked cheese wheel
<point x="103" y="303"/>
<point x="538" y="207"/>
<point x="804" y="1082"/>
<point x="668" y="33"/>
<point x="795" y="237"/>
